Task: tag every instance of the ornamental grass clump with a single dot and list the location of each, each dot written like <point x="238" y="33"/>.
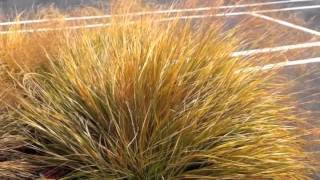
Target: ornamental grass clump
<point x="145" y="97"/>
<point x="157" y="100"/>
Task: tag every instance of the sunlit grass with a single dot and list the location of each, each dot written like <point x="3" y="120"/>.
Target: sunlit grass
<point x="149" y="100"/>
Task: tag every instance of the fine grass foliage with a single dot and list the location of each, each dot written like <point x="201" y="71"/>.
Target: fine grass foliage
<point x="147" y="100"/>
<point x="158" y="101"/>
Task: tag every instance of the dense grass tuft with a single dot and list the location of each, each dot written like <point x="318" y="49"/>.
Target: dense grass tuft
<point x="158" y="101"/>
<point x="146" y="100"/>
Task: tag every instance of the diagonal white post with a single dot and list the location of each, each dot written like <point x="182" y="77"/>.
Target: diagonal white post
<point x="280" y="65"/>
<point x="157" y="12"/>
<point x="287" y="24"/>
<point x="276" y="49"/>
